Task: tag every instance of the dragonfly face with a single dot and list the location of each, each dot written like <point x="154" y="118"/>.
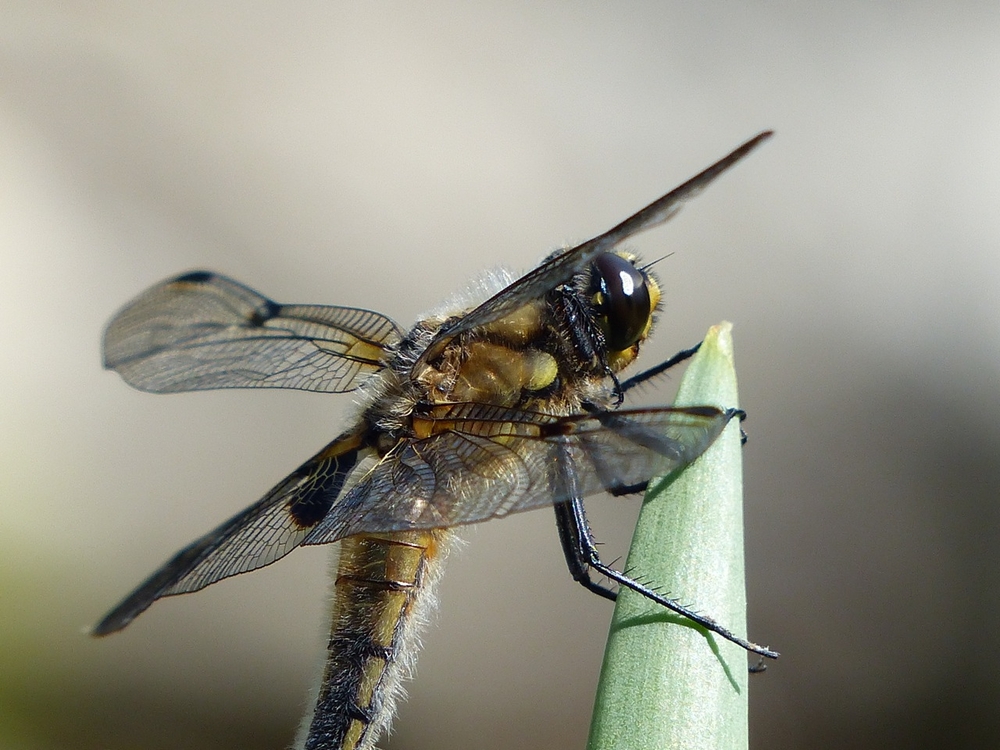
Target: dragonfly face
<point x="469" y="415"/>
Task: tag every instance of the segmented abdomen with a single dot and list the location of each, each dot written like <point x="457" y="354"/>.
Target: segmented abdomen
<point x="382" y="591"/>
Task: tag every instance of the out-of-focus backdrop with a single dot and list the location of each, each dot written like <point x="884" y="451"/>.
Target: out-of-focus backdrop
<point x="380" y="156"/>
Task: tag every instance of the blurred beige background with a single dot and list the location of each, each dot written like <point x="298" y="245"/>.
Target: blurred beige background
<point x="380" y="156"/>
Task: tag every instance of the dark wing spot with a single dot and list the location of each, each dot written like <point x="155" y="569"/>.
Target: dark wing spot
<point x="261" y="316"/>
<point x="310" y="506"/>
<point x="196" y="277"/>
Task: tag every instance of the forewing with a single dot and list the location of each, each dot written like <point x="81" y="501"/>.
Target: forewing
<point x="261" y="534"/>
<point x="490" y="461"/>
<point x="203" y="330"/>
<point x="561" y="268"/>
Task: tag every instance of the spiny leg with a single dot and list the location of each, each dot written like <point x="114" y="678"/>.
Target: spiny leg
<point x="652" y="372"/>
<point x="582" y="555"/>
<point x="659" y="369"/>
<point x="574" y="540"/>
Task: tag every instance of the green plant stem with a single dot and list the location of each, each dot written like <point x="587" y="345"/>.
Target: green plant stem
<point x="666" y="682"/>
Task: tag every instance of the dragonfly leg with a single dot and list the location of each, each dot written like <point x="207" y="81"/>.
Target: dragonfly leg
<point x="576" y="540"/>
<point x="652" y="372"/>
<point x="582" y="557"/>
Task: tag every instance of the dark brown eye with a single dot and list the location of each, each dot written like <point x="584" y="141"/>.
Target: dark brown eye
<point x="623" y="300"/>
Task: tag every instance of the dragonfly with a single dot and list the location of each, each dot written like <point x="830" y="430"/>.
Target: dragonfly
<point x="473" y="413"/>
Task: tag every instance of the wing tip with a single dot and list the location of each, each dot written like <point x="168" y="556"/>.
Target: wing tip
<point x="111" y="623"/>
<point x="750" y="145"/>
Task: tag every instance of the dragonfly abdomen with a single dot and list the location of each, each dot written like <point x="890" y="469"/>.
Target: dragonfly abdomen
<point x="383" y="586"/>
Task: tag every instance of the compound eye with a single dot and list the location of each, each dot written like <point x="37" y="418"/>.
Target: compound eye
<point x="623" y="301"/>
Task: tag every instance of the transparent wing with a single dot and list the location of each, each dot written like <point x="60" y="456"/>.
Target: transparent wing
<point x="203" y="330"/>
<point x="261" y="534"/>
<point x="488" y="461"/>
<point x="561" y="268"/>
